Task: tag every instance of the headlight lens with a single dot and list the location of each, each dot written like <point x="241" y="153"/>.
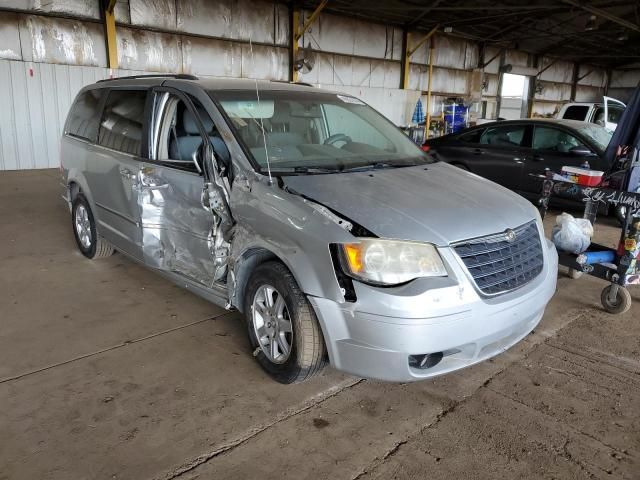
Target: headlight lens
<point x="390" y="262"/>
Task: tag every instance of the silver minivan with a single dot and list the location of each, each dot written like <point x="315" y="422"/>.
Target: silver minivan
<point x="309" y="212"/>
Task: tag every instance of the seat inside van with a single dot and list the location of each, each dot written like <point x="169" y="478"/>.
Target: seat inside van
<point x="187" y="139"/>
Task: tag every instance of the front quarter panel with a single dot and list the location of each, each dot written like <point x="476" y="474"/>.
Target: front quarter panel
<point x="282" y="223"/>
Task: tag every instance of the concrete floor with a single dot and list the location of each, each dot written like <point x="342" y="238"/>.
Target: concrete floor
<point x="109" y="371"/>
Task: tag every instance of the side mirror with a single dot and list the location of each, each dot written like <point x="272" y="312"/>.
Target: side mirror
<point x="580" y="151"/>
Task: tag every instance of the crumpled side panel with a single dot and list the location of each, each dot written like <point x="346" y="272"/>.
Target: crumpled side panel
<point x="177" y="231"/>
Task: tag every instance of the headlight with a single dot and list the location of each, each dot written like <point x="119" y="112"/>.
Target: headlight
<point x="390" y="262"/>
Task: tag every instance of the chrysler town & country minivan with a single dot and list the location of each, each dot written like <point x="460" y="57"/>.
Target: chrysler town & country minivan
<point x="307" y="211"/>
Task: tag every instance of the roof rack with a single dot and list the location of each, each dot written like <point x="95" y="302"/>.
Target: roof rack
<point x="179" y="76"/>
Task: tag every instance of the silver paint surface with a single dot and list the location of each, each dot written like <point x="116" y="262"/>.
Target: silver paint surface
<point x="434" y="203"/>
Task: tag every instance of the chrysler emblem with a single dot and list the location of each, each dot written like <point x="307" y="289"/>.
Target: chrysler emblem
<point x="510" y="236"/>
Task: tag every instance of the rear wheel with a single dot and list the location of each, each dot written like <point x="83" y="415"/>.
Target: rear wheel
<point x="283" y="329"/>
<point x="616" y="299"/>
<point x="84" y="230"/>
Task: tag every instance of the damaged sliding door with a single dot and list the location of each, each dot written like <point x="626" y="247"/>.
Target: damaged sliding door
<point x="179" y="229"/>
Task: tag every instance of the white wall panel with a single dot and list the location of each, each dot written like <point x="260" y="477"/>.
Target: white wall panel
<point x="559" y="71"/>
<point x="59" y="40"/>
<point x="154" y="13"/>
<point x="517" y="58"/>
<point x="81" y="8"/>
<point x="585" y="93"/>
<point x="348" y="36"/>
<point x="593" y="76"/>
<point x="10" y="48"/>
<point x="625" y="78"/>
<point x="621" y="93"/>
<point x="554" y="91"/>
<point x="448" y="52"/>
<point x="32" y="118"/>
<point x="266" y="62"/>
<point x="260" y="21"/>
<point x="151" y="51"/>
<point x="494" y="65"/>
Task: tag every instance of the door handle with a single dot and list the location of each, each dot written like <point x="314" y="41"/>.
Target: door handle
<point x="478" y="151"/>
<point x="517" y="159"/>
<point x="538" y="158"/>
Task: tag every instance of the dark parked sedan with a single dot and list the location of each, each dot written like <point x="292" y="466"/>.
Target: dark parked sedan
<point x="507" y="152"/>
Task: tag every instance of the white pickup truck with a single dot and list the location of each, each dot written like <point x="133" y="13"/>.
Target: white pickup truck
<point x="606" y="113"/>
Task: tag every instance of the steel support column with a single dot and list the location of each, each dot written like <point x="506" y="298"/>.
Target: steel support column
<point x="427" y="123"/>
<point x="110" y="33"/>
<point x="409" y="50"/>
<point x="297" y="32"/>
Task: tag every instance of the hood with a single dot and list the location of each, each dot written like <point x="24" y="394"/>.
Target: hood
<point x="436" y="203"/>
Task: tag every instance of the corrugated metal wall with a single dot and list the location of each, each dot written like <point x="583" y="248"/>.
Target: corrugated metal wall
<point x="34" y="108"/>
<point x="61" y="42"/>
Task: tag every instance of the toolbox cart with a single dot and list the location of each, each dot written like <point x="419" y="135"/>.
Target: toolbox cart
<point x="620" y="267"/>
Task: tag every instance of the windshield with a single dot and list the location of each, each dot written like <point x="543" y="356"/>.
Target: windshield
<point x="316" y="132"/>
<point x="597" y="134"/>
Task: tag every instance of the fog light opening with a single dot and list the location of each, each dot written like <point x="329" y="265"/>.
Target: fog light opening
<point x="426" y="360"/>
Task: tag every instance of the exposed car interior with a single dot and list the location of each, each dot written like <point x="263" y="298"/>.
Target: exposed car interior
<point x="180" y="137"/>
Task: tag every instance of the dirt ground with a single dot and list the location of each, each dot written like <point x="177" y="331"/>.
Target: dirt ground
<point x="108" y="371"/>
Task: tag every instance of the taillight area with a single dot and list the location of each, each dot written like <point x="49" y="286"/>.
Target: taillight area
<point x="425" y="148"/>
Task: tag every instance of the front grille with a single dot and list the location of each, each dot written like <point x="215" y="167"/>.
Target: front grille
<point x="498" y="265"/>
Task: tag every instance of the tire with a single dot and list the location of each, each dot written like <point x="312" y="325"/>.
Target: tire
<point x="84" y="230"/>
<point x="307" y="351"/>
<point x="622" y="303"/>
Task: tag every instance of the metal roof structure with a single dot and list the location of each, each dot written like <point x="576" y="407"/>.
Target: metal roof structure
<point x="600" y="32"/>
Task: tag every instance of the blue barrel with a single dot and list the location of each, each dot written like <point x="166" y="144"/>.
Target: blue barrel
<point x="455" y="117"/>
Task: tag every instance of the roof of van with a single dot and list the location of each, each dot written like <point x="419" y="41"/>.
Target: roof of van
<point x="208" y="83"/>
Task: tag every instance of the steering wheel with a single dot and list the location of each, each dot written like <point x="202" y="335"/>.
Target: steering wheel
<point x="338" y="137"/>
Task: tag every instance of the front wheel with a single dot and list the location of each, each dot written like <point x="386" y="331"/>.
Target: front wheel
<point x="283" y="329"/>
<point x="618" y="301"/>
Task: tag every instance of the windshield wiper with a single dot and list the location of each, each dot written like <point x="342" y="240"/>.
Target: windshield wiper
<point x="304" y="170"/>
<point x="378" y="166"/>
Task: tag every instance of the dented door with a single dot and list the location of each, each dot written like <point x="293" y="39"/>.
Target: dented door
<point x="177" y="229"/>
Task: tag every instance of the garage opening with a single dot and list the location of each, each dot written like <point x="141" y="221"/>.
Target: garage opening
<point x="513" y="96"/>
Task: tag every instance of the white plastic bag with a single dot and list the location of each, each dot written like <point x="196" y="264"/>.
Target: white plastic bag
<point x="571" y="234"/>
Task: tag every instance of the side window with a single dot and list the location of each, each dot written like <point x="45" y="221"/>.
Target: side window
<point x="503" y="136"/>
<point x="576" y="112"/>
<point x="178" y="136"/>
<point x="122" y="121"/>
<point x="471" y="137"/>
<point x="598" y="116"/>
<point x="554" y="140"/>
<point x="84" y="116"/>
<point x="342" y="121"/>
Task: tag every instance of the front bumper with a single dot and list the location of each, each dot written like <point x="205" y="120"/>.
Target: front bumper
<point x="375" y="336"/>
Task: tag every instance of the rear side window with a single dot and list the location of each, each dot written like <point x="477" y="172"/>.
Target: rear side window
<point x="471" y="137"/>
<point x="504" y="136"/>
<point x="576" y="112"/>
<point x="84" y="116"/>
<point x="122" y="121"/>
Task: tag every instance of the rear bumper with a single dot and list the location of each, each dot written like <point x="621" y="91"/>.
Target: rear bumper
<point x="455" y="320"/>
